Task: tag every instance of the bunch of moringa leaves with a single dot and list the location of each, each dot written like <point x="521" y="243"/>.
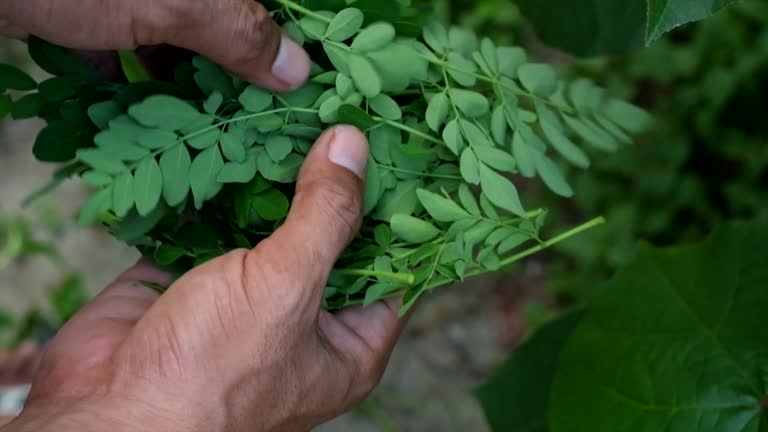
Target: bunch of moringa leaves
<point x="189" y="170"/>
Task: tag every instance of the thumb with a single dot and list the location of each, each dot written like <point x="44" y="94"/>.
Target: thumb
<point x="327" y="208"/>
<point x="238" y="34"/>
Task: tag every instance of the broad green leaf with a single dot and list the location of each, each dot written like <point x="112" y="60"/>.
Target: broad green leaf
<point x="96" y="207"/>
<point x="344" y="25"/>
<point x="164" y="112"/>
<point x="271" y="205"/>
<point x="441" y="208"/>
<point x="471" y="103"/>
<point x="516" y="397"/>
<point x="175" y="164"/>
<point x="383" y="236"/>
<point x="118" y="148"/>
<point x="101" y="160"/>
<point x="102" y="112"/>
<point x="496" y="158"/>
<point x="365" y="76"/>
<point x="203" y="174"/>
<point x="122" y="194"/>
<point x="462" y="40"/>
<point x="437" y="113"/>
<point x="256" y="100"/>
<point x="665" y="15"/>
<point x="380" y="141"/>
<point x="278" y="147"/>
<point x="413" y="230"/>
<point x="238" y="172"/>
<point x="148" y="186"/>
<point x="386" y="107"/>
<point x="685" y="324"/>
<point x="500" y="191"/>
<point x="470" y="167"/>
<point x="552" y="176"/>
<point x="374" y="37"/>
<point x="13" y="78"/>
<point x="538" y="78"/>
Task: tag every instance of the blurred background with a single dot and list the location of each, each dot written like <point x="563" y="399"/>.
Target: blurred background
<point x="705" y="161"/>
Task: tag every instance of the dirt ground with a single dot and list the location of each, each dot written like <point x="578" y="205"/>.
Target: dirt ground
<point x="453" y="341"/>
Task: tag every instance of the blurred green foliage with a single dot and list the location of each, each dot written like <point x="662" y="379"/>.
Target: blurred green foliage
<point x="705" y="161"/>
<point x="24" y="238"/>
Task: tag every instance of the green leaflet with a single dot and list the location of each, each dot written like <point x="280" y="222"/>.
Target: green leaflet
<point x="123" y="194"/>
<point x="374" y="37"/>
<point x="13" y="78"/>
<point x="175" y="166"/>
<point x="148" y="186"/>
<point x="344" y="25"/>
<point x="440" y="208"/>
<point x="204" y="173"/>
<point x="386" y="107"/>
<point x="365" y="76"/>
<point x="413" y="230"/>
<point x="164" y="112"/>
<point x="500" y="191"/>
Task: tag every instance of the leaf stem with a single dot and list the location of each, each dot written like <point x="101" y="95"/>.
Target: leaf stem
<point x="407" y="278"/>
<point x="301" y="9"/>
<point x="547" y="244"/>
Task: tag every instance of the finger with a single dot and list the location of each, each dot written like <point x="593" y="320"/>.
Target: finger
<point x="121" y="304"/>
<point x="378" y="326"/>
<point x="238" y="34"/>
<point x="327" y="209"/>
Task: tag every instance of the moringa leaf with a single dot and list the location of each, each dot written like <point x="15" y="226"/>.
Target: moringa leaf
<point x="412" y="230"/>
<point x="344" y="25"/>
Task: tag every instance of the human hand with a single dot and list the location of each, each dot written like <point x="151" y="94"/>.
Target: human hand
<point x="238" y="34"/>
<point x="240" y="343"/>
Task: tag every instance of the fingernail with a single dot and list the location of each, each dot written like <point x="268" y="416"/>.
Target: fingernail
<point x="349" y="149"/>
<point x="292" y="64"/>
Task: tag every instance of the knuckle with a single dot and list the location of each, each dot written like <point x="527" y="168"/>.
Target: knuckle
<point x="251" y="35"/>
<point x="160" y="22"/>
